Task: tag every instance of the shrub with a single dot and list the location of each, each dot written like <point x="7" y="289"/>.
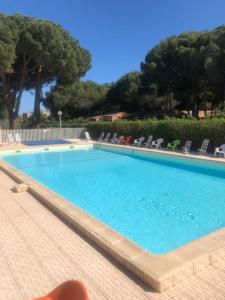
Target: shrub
<point x="77" y="123"/>
<point x="169" y="129"/>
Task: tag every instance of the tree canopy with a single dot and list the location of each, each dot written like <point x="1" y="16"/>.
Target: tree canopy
<point x="34" y="52"/>
<point x="189" y="68"/>
<point x="184" y="72"/>
<point x="124" y="93"/>
<point x="77" y="99"/>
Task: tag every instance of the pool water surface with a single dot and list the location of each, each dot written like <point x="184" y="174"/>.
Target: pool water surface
<point x="159" y="202"/>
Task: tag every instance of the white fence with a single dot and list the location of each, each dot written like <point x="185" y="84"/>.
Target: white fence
<point x="43" y="134"/>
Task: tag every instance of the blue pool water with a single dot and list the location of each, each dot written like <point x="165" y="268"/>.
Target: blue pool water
<point x="46" y="142"/>
<point x="159" y="202"/>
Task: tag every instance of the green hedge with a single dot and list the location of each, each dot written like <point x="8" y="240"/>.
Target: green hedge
<point x="50" y="124"/>
<point x="169" y="129"/>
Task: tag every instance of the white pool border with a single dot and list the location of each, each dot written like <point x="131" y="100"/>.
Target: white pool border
<point x="50" y="148"/>
<point x="159" y="271"/>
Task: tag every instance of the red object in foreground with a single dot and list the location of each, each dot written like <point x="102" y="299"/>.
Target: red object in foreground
<point x="127" y="139"/>
<point x="69" y="290"/>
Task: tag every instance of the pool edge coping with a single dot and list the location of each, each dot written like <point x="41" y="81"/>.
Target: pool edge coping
<point x="159" y="271"/>
<point x="164" y="152"/>
<point x="30" y="149"/>
<point x="92" y="143"/>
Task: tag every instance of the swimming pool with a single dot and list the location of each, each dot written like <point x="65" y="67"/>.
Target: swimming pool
<point x="160" y="202"/>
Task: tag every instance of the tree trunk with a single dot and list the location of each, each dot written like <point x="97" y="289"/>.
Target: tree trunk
<point x="205" y="108"/>
<point x="13" y="111"/>
<point x="167" y="100"/>
<point x="12" y="118"/>
<point x="37" y="100"/>
<point x="12" y="99"/>
<point x="12" y="122"/>
<point x="195" y="107"/>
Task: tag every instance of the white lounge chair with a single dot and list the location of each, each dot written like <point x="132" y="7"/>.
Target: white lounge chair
<point x="119" y="139"/>
<point x="220" y="151"/>
<point x="106" y="139"/>
<point x="157" y="144"/>
<point x="18" y="138"/>
<point x="100" y="139"/>
<point x="138" y="142"/>
<point x="112" y="140"/>
<point x="148" y="143"/>
<point x="1" y="141"/>
<point x="204" y="147"/>
<point x="10" y="138"/>
<point x="87" y="136"/>
<point x="187" y="147"/>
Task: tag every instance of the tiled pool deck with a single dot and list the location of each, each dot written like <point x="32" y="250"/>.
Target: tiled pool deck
<point x="38" y="251"/>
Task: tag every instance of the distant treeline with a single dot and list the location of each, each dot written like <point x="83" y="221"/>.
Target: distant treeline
<point x="186" y="72"/>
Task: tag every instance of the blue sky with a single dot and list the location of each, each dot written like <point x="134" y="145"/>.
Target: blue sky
<point x="118" y="33"/>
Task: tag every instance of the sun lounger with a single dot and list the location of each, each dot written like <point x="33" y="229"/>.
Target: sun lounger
<point x="71" y="289"/>
<point x="173" y="145"/>
<point x="87" y="136"/>
<point x="10" y="138"/>
<point x="106" y="139"/>
<point x="100" y="139"/>
<point x="139" y="142"/>
<point x="220" y="151"/>
<point x="127" y="139"/>
<point x="119" y="140"/>
<point x="148" y="144"/>
<point x="204" y="147"/>
<point x="18" y="138"/>
<point x="187" y="147"/>
<point x="1" y="141"/>
<point x="114" y="137"/>
<point x="157" y="144"/>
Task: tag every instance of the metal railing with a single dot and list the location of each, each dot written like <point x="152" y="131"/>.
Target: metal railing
<point x="43" y="134"/>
